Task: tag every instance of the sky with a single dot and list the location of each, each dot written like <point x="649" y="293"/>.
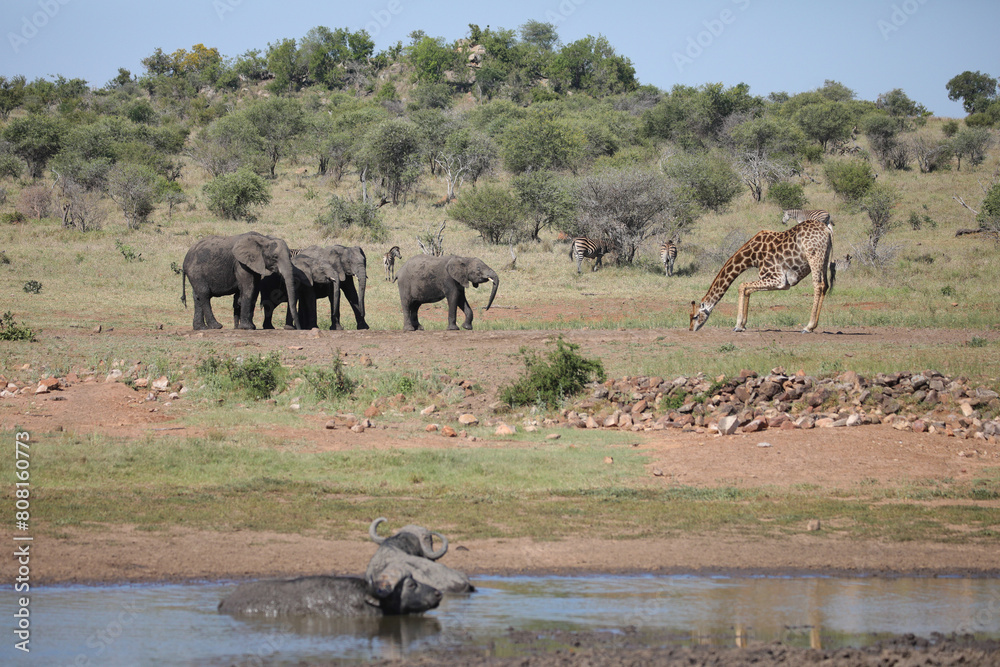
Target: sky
<point x="870" y="46"/>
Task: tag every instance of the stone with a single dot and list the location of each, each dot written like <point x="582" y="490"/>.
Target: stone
<point x="42" y="389"/>
<point x="468" y="419"/>
<point x="141" y="383"/>
<point x="755" y="425"/>
<point x="429" y="410"/>
<point x="161" y="383"/>
<point x="608" y="460"/>
<point x="553" y="436"/>
<point x="366" y="361"/>
<point x="813" y="525"/>
<point x="372" y="411"/>
<point x="114" y="376"/>
<point x="505" y="429"/>
<point x="430" y="428"/>
<point x="825" y="422"/>
<point x="729" y="424"/>
<point x="591" y="423"/>
<point x="51" y="383"/>
<point x="358" y="428"/>
<point x="967" y="409"/>
<point x="640" y="407"/>
<point x="448" y="431"/>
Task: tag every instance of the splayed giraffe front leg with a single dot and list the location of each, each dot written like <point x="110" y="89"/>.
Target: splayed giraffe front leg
<point x="819" y="293"/>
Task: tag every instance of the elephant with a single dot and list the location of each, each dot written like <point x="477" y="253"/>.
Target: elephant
<point x="223" y="265"/>
<point x="427" y="279"/>
<point x="310" y="272"/>
<point x="353" y="264"/>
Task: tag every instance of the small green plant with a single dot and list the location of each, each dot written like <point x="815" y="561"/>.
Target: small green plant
<point x="4" y="259"/>
<point x="32" y="287"/>
<point x="976" y="341"/>
<point x="176" y="268"/>
<point x="948" y="290"/>
<point x="364" y="219"/>
<point x="332" y="382"/>
<point x="549" y="382"/>
<point x="255" y="377"/>
<point x="128" y="252"/>
<point x="917" y="221"/>
<point x="727" y="347"/>
<point x="12" y="218"/>
<point x="11" y="330"/>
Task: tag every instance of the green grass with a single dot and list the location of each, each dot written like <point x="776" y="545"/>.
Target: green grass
<point x="539" y="489"/>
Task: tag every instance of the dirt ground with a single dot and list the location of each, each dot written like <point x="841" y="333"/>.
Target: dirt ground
<point x="826" y="458"/>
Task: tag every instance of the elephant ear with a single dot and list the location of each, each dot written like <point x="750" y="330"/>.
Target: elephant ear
<point x="458" y="270"/>
<point x="248" y="252"/>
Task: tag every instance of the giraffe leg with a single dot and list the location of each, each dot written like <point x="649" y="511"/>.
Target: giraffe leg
<point x="743" y="307"/>
<point x="819" y="293"/>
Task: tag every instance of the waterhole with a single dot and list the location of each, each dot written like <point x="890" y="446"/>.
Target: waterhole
<point x="177" y="624"/>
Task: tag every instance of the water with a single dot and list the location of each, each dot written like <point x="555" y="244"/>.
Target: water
<point x="177" y="624"/>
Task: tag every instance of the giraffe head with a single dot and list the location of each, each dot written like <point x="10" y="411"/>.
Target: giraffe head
<point x="699" y="315"/>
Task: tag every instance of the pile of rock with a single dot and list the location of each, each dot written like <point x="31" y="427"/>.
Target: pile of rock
<point x="923" y="402"/>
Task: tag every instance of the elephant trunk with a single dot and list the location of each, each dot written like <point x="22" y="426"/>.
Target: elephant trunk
<point x="362" y="283"/>
<point x="493" y="278"/>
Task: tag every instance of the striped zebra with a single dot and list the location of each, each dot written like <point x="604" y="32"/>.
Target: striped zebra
<point x="668" y="255"/>
<point x="389" y="262"/>
<point x="801" y="215"/>
<point x="583" y="247"/>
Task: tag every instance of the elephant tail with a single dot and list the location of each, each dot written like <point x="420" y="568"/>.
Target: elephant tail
<point x="184" y="298"/>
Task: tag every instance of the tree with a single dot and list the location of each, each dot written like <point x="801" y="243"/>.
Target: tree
<point x="431" y="57"/>
<point x="233" y="195"/>
<point x="878" y="203"/>
<point x="882" y="132"/>
<point x="989" y="212"/>
<point x="897" y="104"/>
<point x="492" y="211"/>
<point x="975" y="89"/>
<point x="540" y="35"/>
<point x="11" y="94"/>
<point x="707" y="178"/>
<point x="826" y="121"/>
<point x="764" y="151"/>
<point x="972" y="142"/>
<point x="591" y="64"/>
<point x="390" y="151"/>
<point x="627" y="207"/>
<point x="851" y="179"/>
<point x="542" y="140"/>
<point x="283" y="62"/>
<point x="545" y="199"/>
<point x="134" y="188"/>
<point x="467" y="153"/>
<point x="229" y="143"/>
<point x="278" y="121"/>
<point x="34" y="138"/>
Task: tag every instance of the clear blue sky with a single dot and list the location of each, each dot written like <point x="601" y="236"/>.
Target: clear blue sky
<point x="871" y="46"/>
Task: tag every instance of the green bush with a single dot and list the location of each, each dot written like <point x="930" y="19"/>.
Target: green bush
<point x="493" y="211"/>
<point x="708" y="179"/>
<point x="12" y="217"/>
<point x="11" y="330"/>
<point x="255" y="377"/>
<point x="32" y="287"/>
<point x="850" y="179"/>
<point x="233" y="195"/>
<point x="362" y="219"/>
<point x="332" y="382"/>
<point x="787" y="195"/>
<point x="549" y="382"/>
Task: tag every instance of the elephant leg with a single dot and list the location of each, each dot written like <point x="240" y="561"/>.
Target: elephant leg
<point x="467" y="309"/>
<point x="352" y="298"/>
<point x="411" y="323"/>
<point x="237" y="310"/>
<point x="454" y="303"/>
<point x="203" y="316"/>
<point x="243" y="309"/>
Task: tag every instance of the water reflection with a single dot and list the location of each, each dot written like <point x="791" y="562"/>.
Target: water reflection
<point x="179" y="624"/>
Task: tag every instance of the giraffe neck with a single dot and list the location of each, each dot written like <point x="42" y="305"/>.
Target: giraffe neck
<point x="730" y="271"/>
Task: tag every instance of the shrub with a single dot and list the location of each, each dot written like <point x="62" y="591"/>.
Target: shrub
<point x="363" y="219"/>
<point x="787" y="195"/>
<point x="35" y="201"/>
<point x="949" y="128"/>
<point x="709" y="179"/>
<point x="11" y="330"/>
<point x="332" y="382"/>
<point x="32" y="287"/>
<point x="491" y="210"/>
<point x="850" y="179"/>
<point x="255" y="377"/>
<point x="12" y="217"/>
<point x="128" y="252"/>
<point x="564" y="374"/>
<point x="233" y="195"/>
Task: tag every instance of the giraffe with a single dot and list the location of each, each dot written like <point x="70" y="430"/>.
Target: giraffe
<point x="783" y="258"/>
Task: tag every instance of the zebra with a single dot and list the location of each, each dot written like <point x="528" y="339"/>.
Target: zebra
<point x="801" y="216"/>
<point x="668" y="255"/>
<point x="389" y="262"/>
<point x="583" y="247"/>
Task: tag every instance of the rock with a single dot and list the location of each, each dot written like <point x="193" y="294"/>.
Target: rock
<point x="448" y="431"/>
<point x="825" y="422"/>
<point x="372" y="411"/>
<point x="608" y="460"/>
<point x="758" y="424"/>
<point x="813" y="525"/>
<point x="553" y="436"/>
<point x="114" y="376"/>
<point x="468" y="419"/>
<point x="763" y="444"/>
<point x="141" y="383"/>
<point x="890" y="406"/>
<point x="161" y="383"/>
<point x="97" y="329"/>
<point x="358" y="428"/>
<point x="51" y="383"/>
<point x="429" y="410"/>
<point x="366" y="361"/>
<point x="967" y="409"/>
<point x="854" y="420"/>
<point x="729" y="424"/>
<point x="590" y="422"/>
<point x="640" y="407"/>
<point x="42" y="389"/>
<point x="430" y="428"/>
<point x="504" y="429"/>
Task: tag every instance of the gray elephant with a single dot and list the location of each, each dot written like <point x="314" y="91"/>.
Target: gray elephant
<point x="224" y="265"/>
<point x="426" y="279"/>
<point x="310" y="272"/>
<point x="353" y="264"/>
